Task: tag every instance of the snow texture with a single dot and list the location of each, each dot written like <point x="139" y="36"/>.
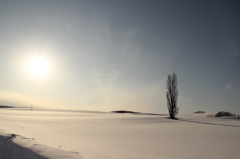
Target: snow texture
<point x="98" y="135"/>
<point x="13" y="146"/>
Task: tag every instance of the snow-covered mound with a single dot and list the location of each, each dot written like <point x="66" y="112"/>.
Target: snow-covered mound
<point x="13" y="146"/>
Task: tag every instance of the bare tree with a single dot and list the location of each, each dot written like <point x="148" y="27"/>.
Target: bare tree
<point x="172" y="95"/>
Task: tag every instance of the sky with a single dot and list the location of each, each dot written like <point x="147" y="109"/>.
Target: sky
<point x="116" y="54"/>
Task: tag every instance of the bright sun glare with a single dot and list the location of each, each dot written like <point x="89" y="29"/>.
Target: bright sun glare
<point x="38" y="66"/>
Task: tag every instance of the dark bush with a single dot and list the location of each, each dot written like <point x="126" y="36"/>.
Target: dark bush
<point x="124" y="111"/>
<point x="199" y="112"/>
<point x="223" y="114"/>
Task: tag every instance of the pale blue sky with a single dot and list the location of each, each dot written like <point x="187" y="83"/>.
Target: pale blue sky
<point x="116" y="54"/>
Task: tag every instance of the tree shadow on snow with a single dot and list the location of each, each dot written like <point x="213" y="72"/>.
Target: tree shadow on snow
<point x="172" y="118"/>
<point x="208" y="123"/>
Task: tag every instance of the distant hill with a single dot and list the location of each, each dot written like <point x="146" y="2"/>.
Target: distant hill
<point x="4" y="106"/>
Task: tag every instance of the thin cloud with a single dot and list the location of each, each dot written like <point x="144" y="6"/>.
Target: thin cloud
<point x="228" y="85"/>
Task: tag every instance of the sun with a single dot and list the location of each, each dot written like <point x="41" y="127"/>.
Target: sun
<point x="38" y="66"/>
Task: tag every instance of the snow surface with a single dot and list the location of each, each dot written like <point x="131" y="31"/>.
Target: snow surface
<point x="98" y="135"/>
<point x="14" y="146"/>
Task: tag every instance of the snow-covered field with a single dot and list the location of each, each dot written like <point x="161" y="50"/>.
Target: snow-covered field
<point x="98" y="135"/>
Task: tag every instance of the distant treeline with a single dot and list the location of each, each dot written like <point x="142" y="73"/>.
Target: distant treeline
<point x="4" y="106"/>
<point x="199" y="112"/>
<point x="224" y="114"/>
<point x="124" y="111"/>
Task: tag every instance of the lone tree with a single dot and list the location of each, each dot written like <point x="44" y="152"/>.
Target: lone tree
<point x="172" y="95"/>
